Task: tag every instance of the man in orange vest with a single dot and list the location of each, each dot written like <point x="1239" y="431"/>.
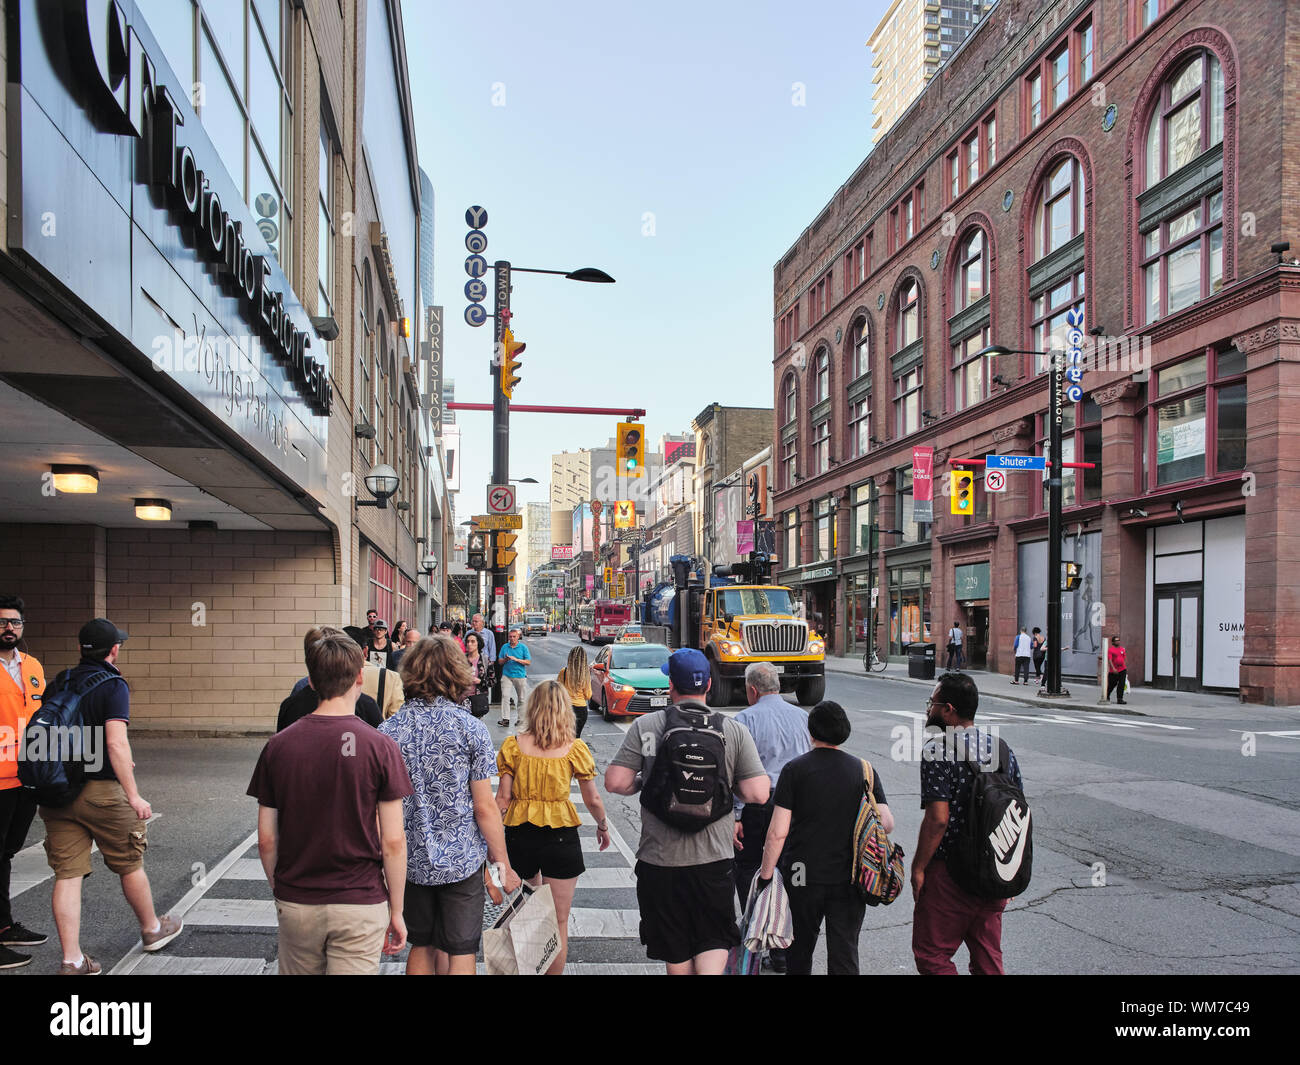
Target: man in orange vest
<point x="20" y="697"/>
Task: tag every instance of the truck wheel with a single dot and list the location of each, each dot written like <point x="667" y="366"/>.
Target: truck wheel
<point x="720" y="689"/>
<point x="811" y="691"/>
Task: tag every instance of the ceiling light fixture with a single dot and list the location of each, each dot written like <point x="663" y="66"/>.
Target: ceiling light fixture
<point x="153" y="509"/>
<point x="83" y="480"/>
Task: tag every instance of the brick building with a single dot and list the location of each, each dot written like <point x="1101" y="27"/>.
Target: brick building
<point x="1127" y="159"/>
<point x="219" y="334"/>
<point x="725" y="437"/>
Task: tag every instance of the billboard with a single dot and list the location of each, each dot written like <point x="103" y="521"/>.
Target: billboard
<point x="561" y="552"/>
<point x="581" y="528"/>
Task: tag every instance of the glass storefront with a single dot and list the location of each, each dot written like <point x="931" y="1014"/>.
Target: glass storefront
<point x="909" y="607"/>
<point x="857" y="602"/>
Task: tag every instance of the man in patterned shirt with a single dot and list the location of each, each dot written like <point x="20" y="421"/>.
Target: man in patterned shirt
<point x="946" y="915"/>
<point x="452" y="821"/>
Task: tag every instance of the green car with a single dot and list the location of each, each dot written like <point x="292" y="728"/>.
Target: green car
<point x="629" y="679"/>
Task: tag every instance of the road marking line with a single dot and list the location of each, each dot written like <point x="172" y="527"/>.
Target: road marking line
<point x="172" y="965"/>
<point x="133" y="956"/>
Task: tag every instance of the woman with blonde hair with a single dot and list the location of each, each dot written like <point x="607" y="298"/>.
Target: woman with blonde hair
<point x="575" y="678"/>
<point x="541" y="821"/>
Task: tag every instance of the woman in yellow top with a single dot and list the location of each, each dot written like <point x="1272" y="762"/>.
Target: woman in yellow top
<point x="575" y="678"/>
<point x="535" y="768"/>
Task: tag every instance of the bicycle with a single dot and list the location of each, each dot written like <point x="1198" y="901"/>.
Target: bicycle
<point x="873" y="661"/>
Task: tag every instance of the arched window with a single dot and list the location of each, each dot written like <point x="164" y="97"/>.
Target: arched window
<point x="1058" y="224"/>
<point x="859" y="349"/>
<point x="789" y="430"/>
<point x="1182" y="251"/>
<point x="972" y="278"/>
<point x="821" y="377"/>
<point x="970" y="371"/>
<point x="858" y="392"/>
<point x="909" y="378"/>
<point x="363" y="401"/>
<point x="909" y="315"/>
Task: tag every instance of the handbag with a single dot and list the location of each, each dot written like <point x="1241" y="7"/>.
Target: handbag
<point x="525" y="939"/>
<point x="877" y="863"/>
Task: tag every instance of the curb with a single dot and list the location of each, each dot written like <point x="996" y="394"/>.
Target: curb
<point x="1014" y="697"/>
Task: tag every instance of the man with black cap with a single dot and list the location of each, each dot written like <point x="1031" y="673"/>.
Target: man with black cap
<point x="684" y="877"/>
<point x="109" y="812"/>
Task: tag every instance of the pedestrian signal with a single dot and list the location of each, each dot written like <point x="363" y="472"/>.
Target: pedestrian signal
<point x="510" y="348"/>
<point x="1071" y="576"/>
<point x="630" y="447"/>
<point x="961" y="492"/>
<point x="477" y="551"/>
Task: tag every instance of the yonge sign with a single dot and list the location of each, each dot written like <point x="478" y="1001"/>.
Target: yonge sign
<point x="121" y="76"/>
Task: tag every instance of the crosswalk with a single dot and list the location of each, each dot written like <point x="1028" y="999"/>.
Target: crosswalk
<point x="1090" y="718"/>
<point x="232" y="907"/>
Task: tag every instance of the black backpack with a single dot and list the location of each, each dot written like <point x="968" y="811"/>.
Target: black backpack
<point x="687" y="786"/>
<point x="51" y="764"/>
<point x="993" y="856"/>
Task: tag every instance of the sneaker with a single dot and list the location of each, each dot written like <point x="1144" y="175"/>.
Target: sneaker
<point x="88" y="967"/>
<point x="778" y="960"/>
<point x="11" y="959"/>
<point x="503" y="722"/>
<point x="169" y="928"/>
<point x="18" y="936"/>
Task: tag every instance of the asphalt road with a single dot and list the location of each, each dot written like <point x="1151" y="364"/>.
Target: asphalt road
<point x="1161" y="846"/>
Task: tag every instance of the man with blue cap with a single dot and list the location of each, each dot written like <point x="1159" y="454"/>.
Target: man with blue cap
<point x="688" y="763"/>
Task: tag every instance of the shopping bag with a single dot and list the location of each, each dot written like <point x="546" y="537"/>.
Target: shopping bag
<point x="525" y="939"/>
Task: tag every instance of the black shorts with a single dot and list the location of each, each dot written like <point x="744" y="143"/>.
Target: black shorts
<point x="445" y="916"/>
<point x="553" y="852"/>
<point x="686" y="910"/>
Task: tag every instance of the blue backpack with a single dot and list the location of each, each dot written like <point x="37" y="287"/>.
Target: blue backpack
<point x="51" y="760"/>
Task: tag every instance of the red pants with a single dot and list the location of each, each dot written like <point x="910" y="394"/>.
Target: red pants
<point x="945" y="917"/>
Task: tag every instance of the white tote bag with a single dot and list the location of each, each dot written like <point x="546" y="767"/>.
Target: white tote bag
<point x="525" y="939"/>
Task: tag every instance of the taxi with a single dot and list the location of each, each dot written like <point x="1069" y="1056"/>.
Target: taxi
<point x="628" y="678"/>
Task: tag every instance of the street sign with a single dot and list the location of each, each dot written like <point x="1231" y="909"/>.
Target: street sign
<point x="500" y="499"/>
<point x="475" y="314"/>
<point x="1015" y="462"/>
<point x="620" y="585"/>
<point x="995" y="481"/>
<point x="497" y="522"/>
<point x="561" y="552"/>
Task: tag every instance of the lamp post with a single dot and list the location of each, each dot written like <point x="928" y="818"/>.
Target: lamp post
<point x="502" y="269"/>
<point x="1055" y="406"/>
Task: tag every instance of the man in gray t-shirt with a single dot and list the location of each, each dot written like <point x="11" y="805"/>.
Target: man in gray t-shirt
<point x="685" y="879"/>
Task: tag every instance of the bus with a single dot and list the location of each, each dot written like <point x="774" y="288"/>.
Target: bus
<point x="600" y="621"/>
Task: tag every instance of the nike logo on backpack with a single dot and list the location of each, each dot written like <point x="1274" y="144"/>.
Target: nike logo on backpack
<point x="1013" y="826"/>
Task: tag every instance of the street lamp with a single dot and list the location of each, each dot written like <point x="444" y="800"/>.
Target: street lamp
<point x="382" y="483"/>
<point x="1055" y="403"/>
<point x="429" y="563"/>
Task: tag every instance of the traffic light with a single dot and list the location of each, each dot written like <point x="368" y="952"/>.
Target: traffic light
<point x="1071" y="576"/>
<point x="630" y="447"/>
<point x="478" y="551"/>
<point x="510" y="348"/>
<point x="961" y="494"/>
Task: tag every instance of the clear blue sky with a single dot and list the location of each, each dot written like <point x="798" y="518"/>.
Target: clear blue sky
<point x="683" y="110"/>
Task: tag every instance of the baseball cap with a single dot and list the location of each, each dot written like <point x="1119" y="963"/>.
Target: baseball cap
<point x="380" y="623"/>
<point x="99" y="634"/>
<point x="688" y="669"/>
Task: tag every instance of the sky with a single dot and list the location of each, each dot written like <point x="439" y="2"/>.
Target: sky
<point x="681" y="148"/>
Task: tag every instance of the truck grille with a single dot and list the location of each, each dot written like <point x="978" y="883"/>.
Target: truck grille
<point x="785" y="637"/>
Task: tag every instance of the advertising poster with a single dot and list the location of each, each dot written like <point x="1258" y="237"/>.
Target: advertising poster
<point x="923" y="483"/>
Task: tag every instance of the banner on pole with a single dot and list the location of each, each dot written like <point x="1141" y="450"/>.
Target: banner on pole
<point x="923" y="483"/>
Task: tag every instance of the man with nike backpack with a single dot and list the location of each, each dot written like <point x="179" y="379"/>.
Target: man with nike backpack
<point x="975" y="849"/>
<point x="687" y="762"/>
<point x="94" y="801"/>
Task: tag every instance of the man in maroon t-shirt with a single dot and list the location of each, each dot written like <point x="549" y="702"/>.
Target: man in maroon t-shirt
<point x="329" y="826"/>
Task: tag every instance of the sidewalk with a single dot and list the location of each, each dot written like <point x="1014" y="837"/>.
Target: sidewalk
<point x="1140" y="702"/>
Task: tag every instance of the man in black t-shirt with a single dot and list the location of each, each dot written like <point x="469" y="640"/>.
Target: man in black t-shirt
<point x="304" y="700"/>
<point x="817" y="800"/>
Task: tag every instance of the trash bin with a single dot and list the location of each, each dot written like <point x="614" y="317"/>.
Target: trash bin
<point x="920" y="661"/>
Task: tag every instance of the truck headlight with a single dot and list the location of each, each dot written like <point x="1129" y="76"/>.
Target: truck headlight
<point x="816" y="647"/>
<point x="730" y="648"/>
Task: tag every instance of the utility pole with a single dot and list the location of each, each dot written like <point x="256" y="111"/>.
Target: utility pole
<point x="1052" y="686"/>
<point x="498" y="598"/>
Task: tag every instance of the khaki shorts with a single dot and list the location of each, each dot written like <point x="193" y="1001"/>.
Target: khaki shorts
<point x="100" y="814"/>
<point x="334" y="939"/>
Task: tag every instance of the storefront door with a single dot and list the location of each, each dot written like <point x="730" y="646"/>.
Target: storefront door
<point x="1177" y="638"/>
<point x="819" y="603"/>
<point x="977" y="638"/>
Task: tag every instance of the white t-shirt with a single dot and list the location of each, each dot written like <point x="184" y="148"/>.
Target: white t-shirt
<point x="955" y="636"/>
<point x="1023" y="646"/>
